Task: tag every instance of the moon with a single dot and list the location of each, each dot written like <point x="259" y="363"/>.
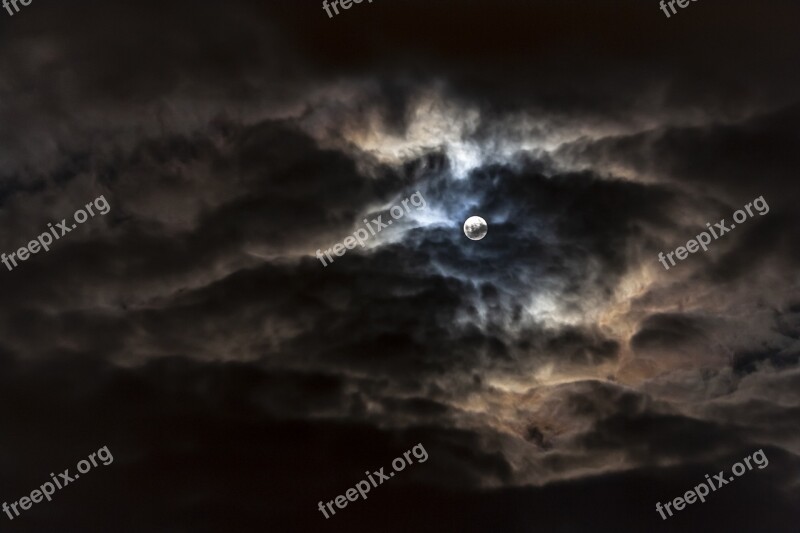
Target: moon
<point x="475" y="228"/>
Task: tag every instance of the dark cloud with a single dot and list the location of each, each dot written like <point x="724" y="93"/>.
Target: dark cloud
<point x="669" y="332"/>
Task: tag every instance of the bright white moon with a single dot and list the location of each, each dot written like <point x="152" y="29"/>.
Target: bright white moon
<point x="475" y="228"/>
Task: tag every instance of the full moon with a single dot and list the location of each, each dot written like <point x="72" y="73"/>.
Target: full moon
<point x="475" y="228"/>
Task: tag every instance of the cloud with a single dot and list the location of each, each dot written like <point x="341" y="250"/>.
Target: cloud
<point x="550" y="367"/>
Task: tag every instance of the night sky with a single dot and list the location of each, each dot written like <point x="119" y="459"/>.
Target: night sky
<point x="558" y="376"/>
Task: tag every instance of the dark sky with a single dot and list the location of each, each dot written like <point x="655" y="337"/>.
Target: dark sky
<point x="558" y="376"/>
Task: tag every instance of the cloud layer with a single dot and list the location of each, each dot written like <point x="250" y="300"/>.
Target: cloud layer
<point x="558" y="376"/>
